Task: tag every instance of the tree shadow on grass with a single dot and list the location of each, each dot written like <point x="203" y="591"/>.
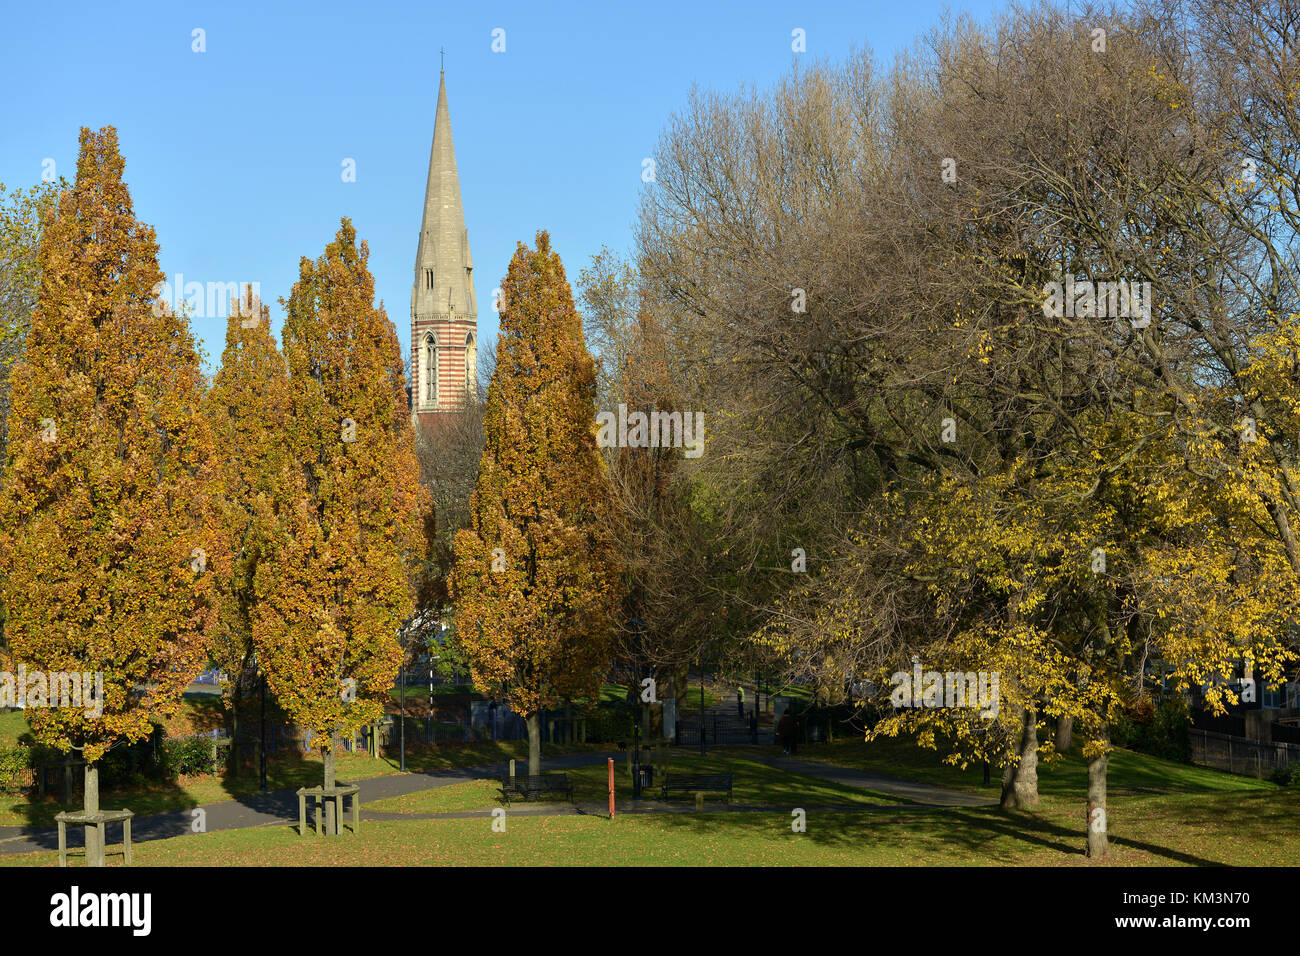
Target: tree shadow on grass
<point x="935" y="835"/>
<point x="1264" y="817"/>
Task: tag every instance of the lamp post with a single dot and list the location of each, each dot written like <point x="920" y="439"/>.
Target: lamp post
<point x="401" y="733"/>
<point x="636" y="760"/>
<point x="428" y="720"/>
<point x="261" y="751"/>
<point x="701" y="707"/>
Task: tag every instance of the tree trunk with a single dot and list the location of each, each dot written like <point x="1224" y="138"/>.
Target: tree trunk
<point x="1020" y="781"/>
<point x="534" y="721"/>
<point x="1098" y="838"/>
<point x="1064" y="733"/>
<point x="328" y="755"/>
<point x="90" y="803"/>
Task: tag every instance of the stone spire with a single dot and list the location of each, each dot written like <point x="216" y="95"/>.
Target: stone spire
<point x="444" y="312"/>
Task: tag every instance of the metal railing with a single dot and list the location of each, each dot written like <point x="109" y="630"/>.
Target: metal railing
<point x="1240" y="755"/>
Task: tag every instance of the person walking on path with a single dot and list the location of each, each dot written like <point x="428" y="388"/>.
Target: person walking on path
<point x="740" y="701"/>
<point x="788" y="732"/>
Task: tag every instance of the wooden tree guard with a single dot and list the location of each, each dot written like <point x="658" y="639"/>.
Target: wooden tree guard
<point x="99" y="819"/>
<point x="331" y="800"/>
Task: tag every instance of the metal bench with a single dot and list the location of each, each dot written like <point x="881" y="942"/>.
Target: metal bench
<point x="698" y="783"/>
<point x="531" y="788"/>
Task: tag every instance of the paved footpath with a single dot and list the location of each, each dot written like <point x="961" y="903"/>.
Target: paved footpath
<point x="263" y="809"/>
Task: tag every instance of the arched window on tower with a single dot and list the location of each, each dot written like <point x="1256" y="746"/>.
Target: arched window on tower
<point x="430" y="369"/>
<point x="471" y="365"/>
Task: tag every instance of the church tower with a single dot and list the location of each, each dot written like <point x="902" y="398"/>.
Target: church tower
<point x="444" y="315"/>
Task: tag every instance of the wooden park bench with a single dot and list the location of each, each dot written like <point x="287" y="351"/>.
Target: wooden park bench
<point x="336" y="794"/>
<point x="698" y="783"/>
<point x="100" y="820"/>
<point x="530" y="788"/>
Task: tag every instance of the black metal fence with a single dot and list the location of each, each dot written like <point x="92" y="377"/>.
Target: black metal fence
<point x="1241" y="755"/>
<point x="718" y="731"/>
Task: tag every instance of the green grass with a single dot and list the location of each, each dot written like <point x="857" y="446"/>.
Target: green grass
<point x="13" y="726"/>
<point x="1129" y="773"/>
<point x="196" y="714"/>
<point x="754" y="783"/>
<point x="691" y="700"/>
<point x="1259" y="828"/>
<point x="415" y="693"/>
<point x="471" y="795"/>
<point x="615" y="693"/>
<point x="282" y="773"/>
<point x="1160" y="813"/>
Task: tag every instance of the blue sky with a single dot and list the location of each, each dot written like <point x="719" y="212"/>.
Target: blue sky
<point x="235" y="154"/>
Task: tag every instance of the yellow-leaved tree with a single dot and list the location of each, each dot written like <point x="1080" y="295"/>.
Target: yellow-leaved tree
<point x="247" y="407"/>
<point x="110" y="542"/>
<point x="534" y="583"/>
<point x="344" y="528"/>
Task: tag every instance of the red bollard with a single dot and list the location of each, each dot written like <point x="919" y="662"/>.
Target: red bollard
<point x="611" y="788"/>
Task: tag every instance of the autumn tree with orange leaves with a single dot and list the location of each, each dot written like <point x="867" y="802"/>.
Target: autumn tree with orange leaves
<point x="533" y="583"/>
<point x="108" y="543"/>
<point x="345" y="523"/>
<point x="247" y="408"/>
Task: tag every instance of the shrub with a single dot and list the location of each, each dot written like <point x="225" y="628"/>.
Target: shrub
<point x="1283" y="775"/>
<point x="1161" y="731"/>
<point x="186" y="756"/>
<point x="15" y="767"/>
<point x="127" y="764"/>
<point x="610" y="722"/>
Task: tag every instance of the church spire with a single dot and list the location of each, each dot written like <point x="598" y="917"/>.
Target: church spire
<point x="443" y="265"/>
<point x="443" y="308"/>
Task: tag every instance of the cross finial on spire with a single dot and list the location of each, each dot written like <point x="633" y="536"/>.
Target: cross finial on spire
<point x="443" y="52"/>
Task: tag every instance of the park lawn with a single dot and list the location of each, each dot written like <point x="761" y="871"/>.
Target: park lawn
<point x="691" y="699"/>
<point x="13" y="726"/>
<point x="612" y="693"/>
<point x="792" y="691"/>
<point x="1242" y="828"/>
<point x="754" y="784"/>
<point x="197" y="714"/>
<point x="470" y="795"/>
<point x="282" y="772"/>
<point x="1129" y="773"/>
<point x="156" y="796"/>
<point x="414" y="693"/>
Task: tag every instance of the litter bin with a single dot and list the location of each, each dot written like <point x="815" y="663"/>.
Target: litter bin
<point x="647" y="777"/>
